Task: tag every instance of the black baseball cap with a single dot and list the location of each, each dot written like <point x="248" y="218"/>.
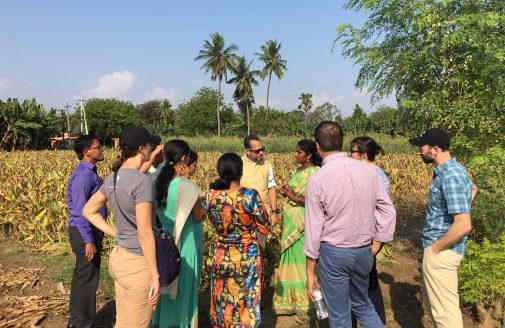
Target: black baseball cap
<point x="432" y="137"/>
<point x="134" y="136"/>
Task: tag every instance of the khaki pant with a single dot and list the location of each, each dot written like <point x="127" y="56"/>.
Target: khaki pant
<point x="440" y="287"/>
<point x="132" y="281"/>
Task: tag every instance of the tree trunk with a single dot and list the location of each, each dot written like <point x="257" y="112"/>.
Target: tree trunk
<point x="217" y="111"/>
<point x="248" y="120"/>
<point x="268" y="91"/>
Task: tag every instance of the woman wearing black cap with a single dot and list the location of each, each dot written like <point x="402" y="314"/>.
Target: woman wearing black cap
<point x="132" y="262"/>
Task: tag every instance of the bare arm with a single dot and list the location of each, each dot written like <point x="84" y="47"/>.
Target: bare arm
<point x="146" y="165"/>
<point x="143" y="213"/>
<point x="91" y="212"/>
<point x="475" y="189"/>
<point x="198" y="212"/>
<point x="272" y="195"/>
<point x="461" y="227"/>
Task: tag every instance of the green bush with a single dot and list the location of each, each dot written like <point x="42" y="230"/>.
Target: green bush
<point x="482" y="273"/>
<point x="488" y="172"/>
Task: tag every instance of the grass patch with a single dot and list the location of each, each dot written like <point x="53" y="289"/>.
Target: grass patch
<point x="398" y="145"/>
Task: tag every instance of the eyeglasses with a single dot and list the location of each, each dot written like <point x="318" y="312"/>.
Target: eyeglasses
<point x="257" y="151"/>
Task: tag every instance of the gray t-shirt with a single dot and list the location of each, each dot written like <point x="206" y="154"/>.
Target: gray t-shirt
<point x="132" y="187"/>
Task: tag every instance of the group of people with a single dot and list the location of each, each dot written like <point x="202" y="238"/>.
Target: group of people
<point x="336" y="216"/>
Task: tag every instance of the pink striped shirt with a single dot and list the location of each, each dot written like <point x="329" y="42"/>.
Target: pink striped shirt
<point x="346" y="206"/>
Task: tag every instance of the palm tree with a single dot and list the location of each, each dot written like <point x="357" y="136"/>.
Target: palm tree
<point x="244" y="79"/>
<point x="271" y="57"/>
<point x="305" y="103"/>
<point x="219" y="60"/>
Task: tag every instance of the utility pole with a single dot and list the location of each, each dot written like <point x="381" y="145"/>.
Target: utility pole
<point x="84" y="123"/>
<point x="67" y="106"/>
<point x="62" y="125"/>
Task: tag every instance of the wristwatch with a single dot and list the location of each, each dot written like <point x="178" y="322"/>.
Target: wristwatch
<point x="276" y="211"/>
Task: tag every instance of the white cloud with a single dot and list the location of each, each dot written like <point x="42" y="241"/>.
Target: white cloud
<point x="5" y="87"/>
<point x="160" y="93"/>
<point x="114" y="85"/>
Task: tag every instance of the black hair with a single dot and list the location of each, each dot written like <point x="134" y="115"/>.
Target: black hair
<point x="367" y="146"/>
<point x="192" y="157"/>
<point x="173" y="152"/>
<point x="247" y="140"/>
<point x="82" y="143"/>
<point x="309" y="148"/>
<point x="329" y="136"/>
<point x="229" y="168"/>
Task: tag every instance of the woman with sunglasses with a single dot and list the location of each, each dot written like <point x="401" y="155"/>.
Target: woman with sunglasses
<point x="365" y="149"/>
<point x="290" y="296"/>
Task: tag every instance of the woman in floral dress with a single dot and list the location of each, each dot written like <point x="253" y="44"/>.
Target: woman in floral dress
<point x="236" y="274"/>
<point x="290" y="295"/>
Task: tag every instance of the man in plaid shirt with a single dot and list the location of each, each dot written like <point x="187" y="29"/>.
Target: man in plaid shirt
<point x="446" y="227"/>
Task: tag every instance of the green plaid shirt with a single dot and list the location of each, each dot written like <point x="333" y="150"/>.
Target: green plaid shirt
<point x="450" y="193"/>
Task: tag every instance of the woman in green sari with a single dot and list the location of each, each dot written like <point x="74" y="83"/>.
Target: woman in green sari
<point x="290" y="296"/>
<point x="180" y="213"/>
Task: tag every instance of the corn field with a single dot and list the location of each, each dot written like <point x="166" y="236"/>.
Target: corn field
<point x="33" y="193"/>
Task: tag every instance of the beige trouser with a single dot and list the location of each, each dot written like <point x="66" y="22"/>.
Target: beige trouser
<point x="132" y="283"/>
<point x="440" y="287"/>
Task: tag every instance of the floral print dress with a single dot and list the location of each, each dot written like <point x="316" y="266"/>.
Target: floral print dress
<point x="237" y="270"/>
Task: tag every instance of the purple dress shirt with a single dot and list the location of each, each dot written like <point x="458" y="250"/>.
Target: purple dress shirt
<point x="346" y="206"/>
<point x="82" y="184"/>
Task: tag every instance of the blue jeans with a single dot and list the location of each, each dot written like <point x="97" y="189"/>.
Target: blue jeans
<point x="343" y="276"/>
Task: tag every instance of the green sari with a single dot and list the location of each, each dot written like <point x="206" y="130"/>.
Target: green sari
<point x="290" y="296"/>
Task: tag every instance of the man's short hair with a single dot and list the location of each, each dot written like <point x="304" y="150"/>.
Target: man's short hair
<point x="82" y="143"/>
<point x="247" y="140"/>
<point x="329" y="136"/>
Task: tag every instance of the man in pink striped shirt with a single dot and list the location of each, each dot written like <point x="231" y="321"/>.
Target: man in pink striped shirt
<point x="346" y="208"/>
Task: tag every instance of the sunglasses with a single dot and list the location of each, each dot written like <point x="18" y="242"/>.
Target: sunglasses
<point x="257" y="151"/>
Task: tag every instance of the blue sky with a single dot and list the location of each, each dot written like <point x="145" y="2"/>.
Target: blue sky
<point x="57" y="51"/>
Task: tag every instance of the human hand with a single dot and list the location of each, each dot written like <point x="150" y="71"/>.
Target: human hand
<point x="184" y="170"/>
<point x="289" y="193"/>
<point x="156" y="151"/>
<point x="154" y="292"/>
<point x="376" y="247"/>
<point x="273" y="219"/>
<point x="435" y="248"/>
<point x="311" y="283"/>
<point x="90" y="251"/>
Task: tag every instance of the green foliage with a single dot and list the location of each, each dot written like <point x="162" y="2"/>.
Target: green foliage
<point x="444" y="60"/>
<point x="271" y="57"/>
<point x="26" y="125"/>
<point x="482" y="273"/>
<point x="488" y="172"/>
<point x="358" y="122"/>
<point x="107" y="117"/>
<point x="219" y="60"/>
<point x="196" y="116"/>
<point x="244" y="79"/>
<point x="157" y="116"/>
<point x="305" y="102"/>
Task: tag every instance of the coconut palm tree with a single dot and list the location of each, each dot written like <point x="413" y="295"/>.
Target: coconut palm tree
<point x="305" y="103"/>
<point x="271" y="57"/>
<point x="219" y="60"/>
<point x="244" y="79"/>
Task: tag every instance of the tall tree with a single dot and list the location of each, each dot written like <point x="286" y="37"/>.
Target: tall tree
<point x="443" y="60"/>
<point x="270" y="56"/>
<point x="244" y="79"/>
<point x="305" y="103"/>
<point x="219" y="60"/>
<point x="19" y="123"/>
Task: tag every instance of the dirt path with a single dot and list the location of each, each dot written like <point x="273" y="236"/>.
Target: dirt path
<point x="32" y="296"/>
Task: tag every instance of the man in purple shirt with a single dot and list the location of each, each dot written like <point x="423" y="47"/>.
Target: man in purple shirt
<point x="346" y="207"/>
<point x="85" y="239"/>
